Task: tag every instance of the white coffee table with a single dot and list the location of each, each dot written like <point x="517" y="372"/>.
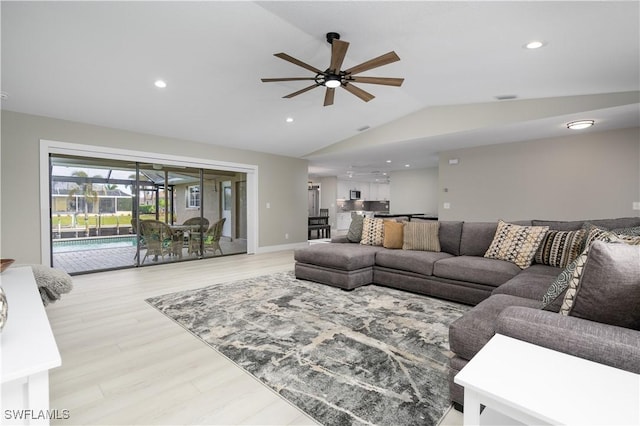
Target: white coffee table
<point x="535" y="385"/>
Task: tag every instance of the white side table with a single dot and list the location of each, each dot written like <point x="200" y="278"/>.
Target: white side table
<point x="28" y="351"/>
<point x="536" y="385"/>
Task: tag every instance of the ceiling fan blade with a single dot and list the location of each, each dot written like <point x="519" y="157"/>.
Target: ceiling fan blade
<point x="379" y="80"/>
<point x="297" y="62"/>
<point x="328" y="96"/>
<point x="269" y="80"/>
<point x="291" y="95"/>
<point x="385" y="59"/>
<point x="365" y="96"/>
<point x="338" y="52"/>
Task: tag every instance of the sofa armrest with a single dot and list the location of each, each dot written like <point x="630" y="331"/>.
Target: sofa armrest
<point x="606" y="344"/>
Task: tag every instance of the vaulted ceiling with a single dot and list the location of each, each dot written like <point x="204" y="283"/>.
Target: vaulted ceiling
<point x="96" y="62"/>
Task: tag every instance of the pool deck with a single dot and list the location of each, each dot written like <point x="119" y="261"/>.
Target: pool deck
<point x="81" y="261"/>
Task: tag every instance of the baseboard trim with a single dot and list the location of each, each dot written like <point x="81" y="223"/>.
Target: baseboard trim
<point x="281" y="247"/>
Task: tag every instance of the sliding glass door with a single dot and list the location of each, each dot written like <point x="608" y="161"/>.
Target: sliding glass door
<point x="111" y="214"/>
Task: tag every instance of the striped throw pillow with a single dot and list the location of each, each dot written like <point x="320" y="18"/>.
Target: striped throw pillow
<point x="421" y="236"/>
<point x="560" y="248"/>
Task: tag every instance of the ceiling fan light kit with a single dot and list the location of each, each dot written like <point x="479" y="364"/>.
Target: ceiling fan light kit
<point x="334" y="77"/>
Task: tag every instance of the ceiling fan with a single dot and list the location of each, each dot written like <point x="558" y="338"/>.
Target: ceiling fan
<point x="333" y="77"/>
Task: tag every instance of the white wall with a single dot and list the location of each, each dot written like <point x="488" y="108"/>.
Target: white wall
<point x="282" y="181"/>
<point x="414" y="191"/>
<point x="585" y="176"/>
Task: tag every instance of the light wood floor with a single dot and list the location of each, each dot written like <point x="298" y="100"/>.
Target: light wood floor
<point x="124" y="363"/>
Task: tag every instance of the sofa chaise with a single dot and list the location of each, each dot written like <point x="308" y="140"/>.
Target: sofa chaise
<point x="507" y="297"/>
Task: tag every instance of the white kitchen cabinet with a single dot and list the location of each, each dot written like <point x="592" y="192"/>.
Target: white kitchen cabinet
<point x="343" y="220"/>
<point x="365" y="192"/>
<point x="384" y="191"/>
<point x="343" y="189"/>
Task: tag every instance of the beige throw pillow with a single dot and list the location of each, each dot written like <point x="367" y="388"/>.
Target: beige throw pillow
<point x="421" y="236"/>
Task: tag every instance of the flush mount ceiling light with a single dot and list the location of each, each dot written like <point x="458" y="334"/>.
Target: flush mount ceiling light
<point x="161" y="84"/>
<point x="535" y="44"/>
<point x="580" y="124"/>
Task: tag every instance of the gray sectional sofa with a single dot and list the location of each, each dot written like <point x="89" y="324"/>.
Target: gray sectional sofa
<point x="506" y="298"/>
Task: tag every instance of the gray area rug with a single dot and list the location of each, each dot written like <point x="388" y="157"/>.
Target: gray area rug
<point x="374" y="355"/>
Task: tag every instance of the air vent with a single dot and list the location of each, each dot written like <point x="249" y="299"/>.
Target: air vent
<point x="506" y="97"/>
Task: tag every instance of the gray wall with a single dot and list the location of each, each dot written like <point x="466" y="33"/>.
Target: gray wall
<point x="414" y="191"/>
<point x="586" y="176"/>
<point x="282" y="180"/>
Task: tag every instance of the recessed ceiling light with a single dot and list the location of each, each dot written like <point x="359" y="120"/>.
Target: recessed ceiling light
<point x="535" y="44"/>
<point x="160" y="84"/>
<point x="407" y="165"/>
<point x="388" y="161"/>
<point x="580" y="124"/>
<point x="289" y="120"/>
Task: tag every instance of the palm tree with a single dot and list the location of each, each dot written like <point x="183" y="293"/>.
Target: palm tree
<point x="88" y="192"/>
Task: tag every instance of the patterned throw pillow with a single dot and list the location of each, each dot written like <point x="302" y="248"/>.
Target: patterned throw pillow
<point x="559" y="248"/>
<point x="515" y="243"/>
<point x="372" y="232"/>
<point x="634" y="231"/>
<point x="573" y="270"/>
<point x="421" y="236"/>
<point x="574" y="282"/>
<point x="355" y="229"/>
<point x="393" y="234"/>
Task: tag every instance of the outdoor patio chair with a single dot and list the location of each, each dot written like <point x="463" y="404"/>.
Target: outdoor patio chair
<point x="193" y="223"/>
<point x="159" y="239"/>
<point x="202" y="221"/>
<point x="210" y="239"/>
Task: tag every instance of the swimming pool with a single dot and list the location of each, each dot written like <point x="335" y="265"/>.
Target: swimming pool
<point x="95" y="243"/>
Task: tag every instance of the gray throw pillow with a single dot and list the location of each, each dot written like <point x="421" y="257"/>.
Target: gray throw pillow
<point x="354" y="234"/>
<point x="609" y="290"/>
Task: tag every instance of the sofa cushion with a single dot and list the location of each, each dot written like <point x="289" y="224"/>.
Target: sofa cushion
<point x="516" y="243"/>
<point x="609" y="290"/>
<point x="372" y="232"/>
<point x="476" y="237"/>
<point x="420" y="262"/>
<point x="623" y="222"/>
<point x="354" y="234"/>
<point x="475" y="269"/>
<point x="559" y="225"/>
<point x="530" y="286"/>
<point x="393" y="234"/>
<point x="469" y="333"/>
<point x="421" y="236"/>
<point x="633" y="230"/>
<point x="347" y="257"/>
